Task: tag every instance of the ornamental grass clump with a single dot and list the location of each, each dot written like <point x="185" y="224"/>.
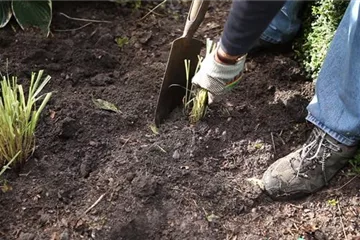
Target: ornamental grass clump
<point x="19" y="115"/>
<point x="196" y="99"/>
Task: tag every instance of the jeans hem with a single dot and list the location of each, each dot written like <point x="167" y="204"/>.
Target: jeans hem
<point x="338" y="137"/>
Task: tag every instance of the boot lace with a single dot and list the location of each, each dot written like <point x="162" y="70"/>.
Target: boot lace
<point x="315" y="152"/>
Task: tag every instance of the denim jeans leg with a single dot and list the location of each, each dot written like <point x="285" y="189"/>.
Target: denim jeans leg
<point x="335" y="108"/>
<point x="285" y="24"/>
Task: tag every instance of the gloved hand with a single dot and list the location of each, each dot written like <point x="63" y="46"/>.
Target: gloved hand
<point x="218" y="78"/>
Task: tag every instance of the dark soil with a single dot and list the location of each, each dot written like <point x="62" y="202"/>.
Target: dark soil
<point x="188" y="182"/>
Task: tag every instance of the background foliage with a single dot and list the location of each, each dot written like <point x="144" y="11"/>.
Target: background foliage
<point x="27" y="13"/>
<point x="320" y="20"/>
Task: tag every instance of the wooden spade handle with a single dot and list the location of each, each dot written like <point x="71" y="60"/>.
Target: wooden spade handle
<point x="195" y="17"/>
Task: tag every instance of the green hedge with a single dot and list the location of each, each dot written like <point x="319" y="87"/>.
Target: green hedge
<point x="320" y="20"/>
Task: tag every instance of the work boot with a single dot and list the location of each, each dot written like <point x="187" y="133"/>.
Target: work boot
<point x="262" y="46"/>
<point x="308" y="169"/>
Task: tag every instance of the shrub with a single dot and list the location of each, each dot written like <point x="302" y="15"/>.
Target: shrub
<point x="320" y="20"/>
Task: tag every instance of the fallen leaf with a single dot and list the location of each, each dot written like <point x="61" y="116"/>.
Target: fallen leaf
<point x="105" y="105"/>
<point x="256" y="182"/>
<point x="5" y="187"/>
<point x="154" y="129"/>
<point x="212" y="217"/>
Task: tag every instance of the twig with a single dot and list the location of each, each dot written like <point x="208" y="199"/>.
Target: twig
<point x="273" y="143"/>
<point x="342" y="223"/>
<point x="347" y="183"/>
<point x="95" y="203"/>
<point x="152" y="10"/>
<point x="73" y="29"/>
<point x="84" y="19"/>
<point x="157" y="14"/>
<point x="24" y="174"/>
<point x="161" y="149"/>
<point x="126" y="141"/>
<point x="282" y="140"/>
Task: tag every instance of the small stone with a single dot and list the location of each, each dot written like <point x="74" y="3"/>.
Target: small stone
<point x="101" y="80"/>
<point x="176" y="154"/>
<point x="223" y="136"/>
<point x="271" y="88"/>
<point x="64" y="222"/>
<point x="65" y="235"/>
<point x="26" y="236"/>
<point x="111" y="181"/>
<point x="85" y="169"/>
<point x="130" y="176"/>
<point x="145" y="37"/>
<point x="44" y="218"/>
<point x="93" y="143"/>
<point x="251" y="65"/>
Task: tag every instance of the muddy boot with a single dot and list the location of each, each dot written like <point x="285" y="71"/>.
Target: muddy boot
<point x="308" y="169"/>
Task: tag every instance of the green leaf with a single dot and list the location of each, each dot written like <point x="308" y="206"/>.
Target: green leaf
<point x="5" y="13"/>
<point x="33" y="13"/>
<point x="332" y="202"/>
<point x="105" y="105"/>
<point x="121" y="41"/>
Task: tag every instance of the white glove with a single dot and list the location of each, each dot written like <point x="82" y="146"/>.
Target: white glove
<point x="216" y="77"/>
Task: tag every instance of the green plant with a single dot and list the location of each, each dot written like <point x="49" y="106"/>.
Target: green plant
<point x="27" y="13"/>
<point x="320" y="21"/>
<point x="195" y="101"/>
<point x="355" y="163"/>
<point x="19" y="116"/>
<point x="7" y="166"/>
<point x="333" y="202"/>
<point x="121" y="41"/>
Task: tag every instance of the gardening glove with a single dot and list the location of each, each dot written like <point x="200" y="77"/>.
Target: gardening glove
<point x="218" y="78"/>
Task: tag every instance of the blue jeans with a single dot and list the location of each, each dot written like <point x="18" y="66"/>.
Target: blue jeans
<point x="285" y="24"/>
<point x="335" y="107"/>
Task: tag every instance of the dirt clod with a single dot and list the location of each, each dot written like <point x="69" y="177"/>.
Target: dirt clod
<point x="144" y="186"/>
<point x="69" y="128"/>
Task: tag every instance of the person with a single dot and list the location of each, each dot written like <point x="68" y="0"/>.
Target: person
<point x="334" y="110"/>
<point x="282" y="29"/>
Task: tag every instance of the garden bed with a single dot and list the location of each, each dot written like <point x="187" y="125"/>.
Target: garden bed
<point x="104" y="175"/>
